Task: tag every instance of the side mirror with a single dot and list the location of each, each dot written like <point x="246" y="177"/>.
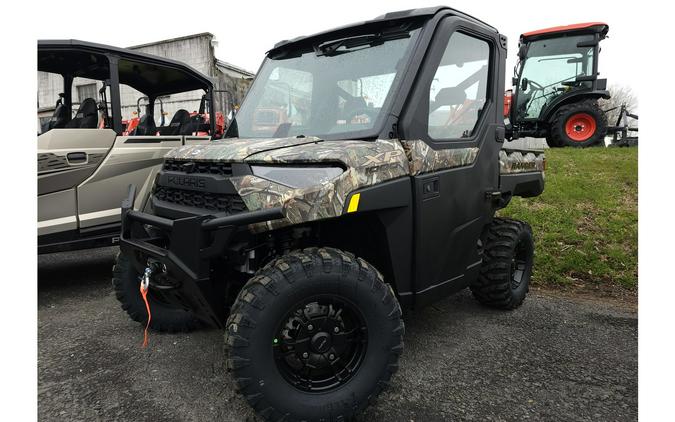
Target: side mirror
<point x="523" y="84"/>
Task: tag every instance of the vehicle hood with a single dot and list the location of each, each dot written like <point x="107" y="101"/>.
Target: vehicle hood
<point x="235" y="149"/>
<point x="381" y="156"/>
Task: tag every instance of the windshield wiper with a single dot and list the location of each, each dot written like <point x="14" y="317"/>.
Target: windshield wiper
<point x="332" y="48"/>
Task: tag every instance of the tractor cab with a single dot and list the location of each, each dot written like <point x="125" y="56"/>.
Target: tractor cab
<point x="557" y="67"/>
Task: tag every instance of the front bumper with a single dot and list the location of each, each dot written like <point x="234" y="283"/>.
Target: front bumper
<point x="185" y="248"/>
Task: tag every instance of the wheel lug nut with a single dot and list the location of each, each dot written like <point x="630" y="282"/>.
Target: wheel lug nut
<point x="331" y="356"/>
<point x="310" y="327"/>
<point x="305" y="355"/>
<point x="336" y="329"/>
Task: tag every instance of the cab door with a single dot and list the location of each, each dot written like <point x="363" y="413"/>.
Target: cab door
<point x="132" y="160"/>
<point x="66" y="157"/>
<point x="450" y="125"/>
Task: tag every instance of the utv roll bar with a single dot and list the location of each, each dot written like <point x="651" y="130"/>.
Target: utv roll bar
<point x="379" y="20"/>
<point x="151" y="75"/>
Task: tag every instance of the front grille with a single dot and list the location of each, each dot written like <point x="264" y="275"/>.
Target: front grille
<point x="229" y="203"/>
<point x="199" y="167"/>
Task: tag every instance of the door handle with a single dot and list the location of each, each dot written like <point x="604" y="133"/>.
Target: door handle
<point x="500" y="133"/>
<point x="76" y="157"/>
<point x="431" y="188"/>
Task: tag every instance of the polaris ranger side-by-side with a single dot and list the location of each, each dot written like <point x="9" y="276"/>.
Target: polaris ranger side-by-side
<point x="87" y="160"/>
<point x="361" y="174"/>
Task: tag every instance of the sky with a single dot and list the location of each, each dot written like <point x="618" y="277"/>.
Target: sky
<point x="246" y="30"/>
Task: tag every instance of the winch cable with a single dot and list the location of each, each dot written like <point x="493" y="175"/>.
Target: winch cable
<point x="145" y="282"/>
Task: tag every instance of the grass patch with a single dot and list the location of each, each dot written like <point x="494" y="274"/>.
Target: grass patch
<point x="585" y="223"/>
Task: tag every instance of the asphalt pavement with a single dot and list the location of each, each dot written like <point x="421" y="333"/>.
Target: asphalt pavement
<point x="556" y="359"/>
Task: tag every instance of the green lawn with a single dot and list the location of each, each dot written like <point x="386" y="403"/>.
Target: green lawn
<point x="585" y="223"/>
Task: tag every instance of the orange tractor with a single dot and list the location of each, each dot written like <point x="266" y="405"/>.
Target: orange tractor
<point x="556" y="89"/>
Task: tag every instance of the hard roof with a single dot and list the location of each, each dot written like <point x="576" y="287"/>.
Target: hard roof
<point x="599" y="27"/>
<point x="149" y="74"/>
<point x="403" y="14"/>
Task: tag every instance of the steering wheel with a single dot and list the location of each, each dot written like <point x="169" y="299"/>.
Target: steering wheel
<point x="372" y="114"/>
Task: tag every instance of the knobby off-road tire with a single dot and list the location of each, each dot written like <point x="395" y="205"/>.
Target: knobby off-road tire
<point x="504" y="278"/>
<point x="581" y="124"/>
<point x="259" y="332"/>
<point x="165" y="318"/>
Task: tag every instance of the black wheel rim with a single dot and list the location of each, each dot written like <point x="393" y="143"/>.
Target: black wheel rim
<point x="519" y="264"/>
<point x="320" y="344"/>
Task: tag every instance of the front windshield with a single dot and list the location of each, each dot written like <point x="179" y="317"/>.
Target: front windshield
<point x="551" y="69"/>
<point x="338" y="90"/>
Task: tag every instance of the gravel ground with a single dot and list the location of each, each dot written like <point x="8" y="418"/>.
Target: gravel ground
<point x="552" y="359"/>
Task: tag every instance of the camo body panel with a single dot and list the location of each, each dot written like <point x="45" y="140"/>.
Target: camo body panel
<point x="424" y="159"/>
<point x="234" y="150"/>
<point x="367" y="163"/>
<point x="520" y="161"/>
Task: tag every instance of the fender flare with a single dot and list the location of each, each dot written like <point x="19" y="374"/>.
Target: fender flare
<point x="573" y="98"/>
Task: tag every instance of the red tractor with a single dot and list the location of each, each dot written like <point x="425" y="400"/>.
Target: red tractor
<point x="556" y="87"/>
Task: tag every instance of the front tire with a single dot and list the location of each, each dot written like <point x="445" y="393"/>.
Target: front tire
<point x="504" y="278"/>
<point x="314" y="335"/>
<point x="580" y="124"/>
<point x="165" y="318"/>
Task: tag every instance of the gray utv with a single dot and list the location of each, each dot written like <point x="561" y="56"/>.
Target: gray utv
<point x="86" y="160"/>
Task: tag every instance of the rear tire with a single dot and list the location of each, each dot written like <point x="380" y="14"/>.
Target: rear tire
<point x="165" y="318"/>
<point x="282" y="363"/>
<point x="504" y="278"/>
<point x="580" y="124"/>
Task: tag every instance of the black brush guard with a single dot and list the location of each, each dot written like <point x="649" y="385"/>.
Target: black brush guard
<point x="192" y="243"/>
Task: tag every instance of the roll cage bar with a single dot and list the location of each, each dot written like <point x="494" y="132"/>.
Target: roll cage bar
<point x="151" y="75"/>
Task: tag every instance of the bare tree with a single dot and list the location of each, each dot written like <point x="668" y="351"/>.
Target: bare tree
<point x="621" y="94"/>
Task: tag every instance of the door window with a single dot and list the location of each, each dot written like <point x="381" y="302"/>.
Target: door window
<point x="458" y="92"/>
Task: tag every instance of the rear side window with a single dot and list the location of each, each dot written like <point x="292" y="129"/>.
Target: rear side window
<point x="457" y="95"/>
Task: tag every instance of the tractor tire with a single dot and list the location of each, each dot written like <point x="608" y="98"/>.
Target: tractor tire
<point x="581" y="124"/>
<point x="315" y="335"/>
<point x="504" y="278"/>
<point x="165" y="318"/>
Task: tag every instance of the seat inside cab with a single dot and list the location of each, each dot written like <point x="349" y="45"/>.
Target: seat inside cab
<point x="110" y="77"/>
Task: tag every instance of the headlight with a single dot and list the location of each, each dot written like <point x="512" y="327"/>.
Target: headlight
<point x="297" y="177"/>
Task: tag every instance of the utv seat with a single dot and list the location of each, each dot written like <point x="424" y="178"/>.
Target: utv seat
<point x="195" y="124"/>
<point x="146" y="127"/>
<point x="86" y="117"/>
<point x="353" y="105"/>
<point x="58" y="119"/>
<point x="178" y="121"/>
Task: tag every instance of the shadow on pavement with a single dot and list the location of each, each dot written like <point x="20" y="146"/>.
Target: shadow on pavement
<point x="74" y="269"/>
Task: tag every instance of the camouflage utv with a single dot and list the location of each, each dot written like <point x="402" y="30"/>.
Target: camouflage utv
<point x="361" y="175"/>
